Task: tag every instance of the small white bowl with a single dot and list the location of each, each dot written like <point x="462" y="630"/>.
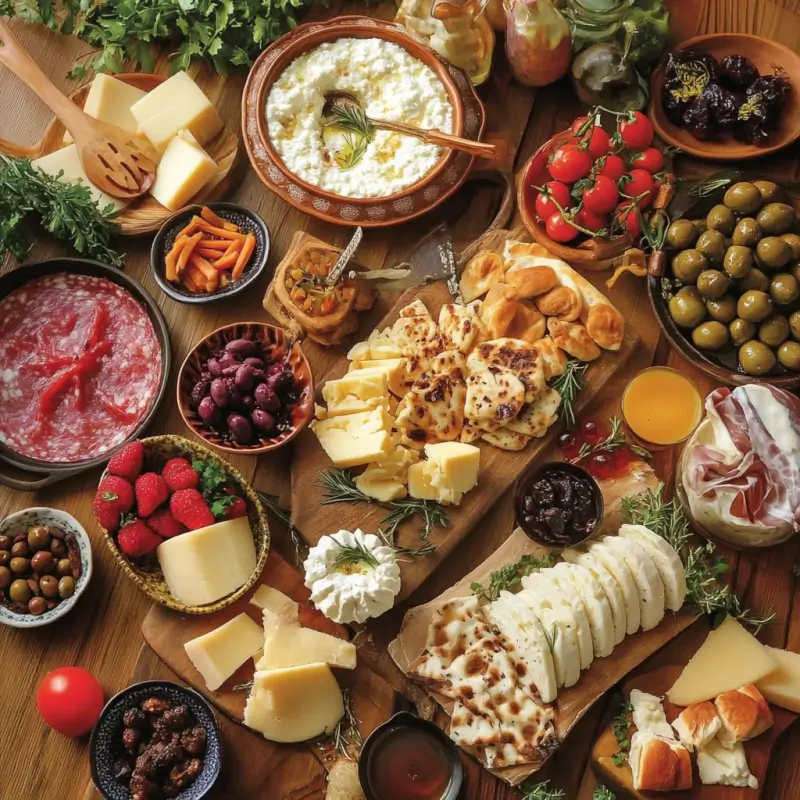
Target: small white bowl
<point x="15" y="524"/>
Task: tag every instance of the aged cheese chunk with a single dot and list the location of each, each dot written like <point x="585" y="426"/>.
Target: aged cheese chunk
<point x="177" y="103"/>
<point x="183" y="171"/>
<point x="728" y="659"/>
<point x="394" y="467"/>
<point x="294" y="704"/>
<point x="425" y="483"/>
<point x="110" y="100"/>
<point x="277" y="602"/>
<point x="381" y="489"/>
<point x="203" y="565"/>
<point x="782" y="685"/>
<point x="355" y="392"/>
<point x="357" y="353"/>
<point x="458" y="464"/>
<point x="217" y="654"/>
<point x="355" y="439"/>
<point x="386" y="366"/>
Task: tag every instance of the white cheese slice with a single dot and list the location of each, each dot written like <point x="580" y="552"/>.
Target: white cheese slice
<point x="648" y="714"/>
<point x="727" y="767"/>
<point x="619" y="568"/>
<point x="782" y="685"/>
<point x="110" y="100"/>
<point x="277" y="602"/>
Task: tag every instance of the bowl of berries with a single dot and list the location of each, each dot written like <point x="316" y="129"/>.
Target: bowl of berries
<point x="246" y="388"/>
<point x="584" y="193"/>
<point x="160" y="502"/>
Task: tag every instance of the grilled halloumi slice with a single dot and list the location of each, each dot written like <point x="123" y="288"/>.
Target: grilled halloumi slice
<point x="667" y="561"/>
<point x="535" y="418"/>
<point x="519" y="357"/>
<point x="417" y="336"/>
<point x="434" y="405"/>
<point x="448" y="361"/>
<point x="504" y="439"/>
<point x="493" y="394"/>
<point x="409" y="371"/>
<point x="416" y="308"/>
<point x="619" y="568"/>
<point x="648" y="582"/>
<point x="595" y="601"/>
<point x="458" y="326"/>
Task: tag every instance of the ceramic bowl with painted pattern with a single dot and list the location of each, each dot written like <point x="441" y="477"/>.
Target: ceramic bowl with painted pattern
<point x="105" y="745"/>
<point x="13" y="525"/>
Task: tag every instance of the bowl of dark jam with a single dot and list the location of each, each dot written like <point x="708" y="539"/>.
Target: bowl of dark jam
<point x="558" y="505"/>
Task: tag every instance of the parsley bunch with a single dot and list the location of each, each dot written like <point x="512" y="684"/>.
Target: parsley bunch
<point x="212" y="485"/>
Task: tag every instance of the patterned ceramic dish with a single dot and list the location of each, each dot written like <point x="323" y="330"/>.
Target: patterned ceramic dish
<point x="17" y="523"/>
<point x="158" y="450"/>
<point x="107" y="733"/>
<point x="248" y="222"/>
<point x="274" y="340"/>
<point x="419" y="198"/>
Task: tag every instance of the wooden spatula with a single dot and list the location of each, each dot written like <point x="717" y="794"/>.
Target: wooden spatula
<point x="118" y="163"/>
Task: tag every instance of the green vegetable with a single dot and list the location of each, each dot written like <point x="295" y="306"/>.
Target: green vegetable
<point x="226" y="33"/>
<point x="511" y="575"/>
<point x="649" y="20"/>
<point x="65" y="210"/>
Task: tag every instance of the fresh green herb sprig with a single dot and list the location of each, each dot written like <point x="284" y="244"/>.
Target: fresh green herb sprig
<point x="350" y="556"/>
<point x="511" y="575"/>
<point x="706" y="592"/>
<point x="540" y="791"/>
<point x="67" y="211"/>
<point x="569" y="386"/>
<point x="619" y="727"/>
<point x="614" y="440"/>
<point x="346" y="737"/>
<point x="603" y="793"/>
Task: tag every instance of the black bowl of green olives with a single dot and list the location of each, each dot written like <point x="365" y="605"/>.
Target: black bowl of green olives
<point x="730" y="297"/>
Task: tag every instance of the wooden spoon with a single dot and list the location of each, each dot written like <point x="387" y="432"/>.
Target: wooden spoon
<point x="119" y="163"/>
<point x="336" y="101"/>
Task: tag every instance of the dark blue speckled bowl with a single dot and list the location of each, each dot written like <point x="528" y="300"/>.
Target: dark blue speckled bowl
<point x="107" y="733"/>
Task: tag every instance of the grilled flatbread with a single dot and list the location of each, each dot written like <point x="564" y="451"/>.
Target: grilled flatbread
<point x="514" y="355"/>
<point x="528" y="324"/>
<point x="416" y="308"/>
<point x="458" y="326"/>
<point x="573" y="338"/>
<point x="507" y="440"/>
<point x="411" y="369"/>
<point x="493" y="393"/>
<point x="535" y="418"/>
<point x="447" y="362"/>
<point x="481" y="273"/>
<point x="433" y="410"/>
<point x="417" y="336"/>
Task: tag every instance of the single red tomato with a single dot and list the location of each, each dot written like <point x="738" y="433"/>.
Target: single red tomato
<point x="70" y="700"/>
<point x="597" y="139"/>
<point x="612" y="166"/>
<point x="650" y="160"/>
<point x="559" y="229"/>
<point x="636" y="131"/>
<point x="627" y="219"/>
<point x="638" y="183"/>
<point x="591" y="221"/>
<point x="570" y="163"/>
<point x="602" y="196"/>
<point x="559" y="192"/>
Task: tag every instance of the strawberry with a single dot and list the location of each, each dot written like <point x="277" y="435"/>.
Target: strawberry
<point x="114" y="497"/>
<point x="178" y="474"/>
<point x="164" y="524"/>
<point x="137" y="539"/>
<point x="236" y="508"/>
<point x="127" y="463"/>
<point x="107" y="516"/>
<point x="189" y="507"/>
<point x="151" y="492"/>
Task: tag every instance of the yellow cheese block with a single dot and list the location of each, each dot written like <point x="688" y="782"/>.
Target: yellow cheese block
<point x="357" y="353"/>
<point x="183" y="171"/>
<point x="395" y="467"/>
<point x="204" y="565"/>
<point x="384" y="490"/>
<point x="390" y="367"/>
<point x="420" y="484"/>
<point x="294" y="704"/>
<point x="277" y="602"/>
<point x="355" y="392"/>
<point x="782" y="685"/>
<point x="177" y="103"/>
<point x="355" y="439"/>
<point x="729" y="658"/>
<point x="217" y="654"/>
<point x="458" y="464"/>
<point x="110" y="100"/>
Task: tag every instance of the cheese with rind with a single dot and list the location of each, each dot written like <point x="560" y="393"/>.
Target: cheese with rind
<point x="782" y="685"/>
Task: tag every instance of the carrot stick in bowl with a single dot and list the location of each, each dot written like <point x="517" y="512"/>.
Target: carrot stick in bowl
<point x="247" y="251"/>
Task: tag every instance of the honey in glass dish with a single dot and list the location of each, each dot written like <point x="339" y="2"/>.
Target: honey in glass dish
<point x="661" y="407"/>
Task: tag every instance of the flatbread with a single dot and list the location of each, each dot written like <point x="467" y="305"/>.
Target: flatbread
<point x="536" y="417"/>
<point x="433" y="409"/>
<point x="573" y="338"/>
<point x="494" y="393"/>
<point x="514" y="355"/>
<point x="481" y="273"/>
<point x="458" y="327"/>
<point x="499" y="308"/>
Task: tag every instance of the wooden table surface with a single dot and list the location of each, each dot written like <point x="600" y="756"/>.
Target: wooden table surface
<point x="102" y="633"/>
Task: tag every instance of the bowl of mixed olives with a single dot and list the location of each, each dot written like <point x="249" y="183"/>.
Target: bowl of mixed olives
<point x="730" y="297"/>
<point x="45" y="565"/>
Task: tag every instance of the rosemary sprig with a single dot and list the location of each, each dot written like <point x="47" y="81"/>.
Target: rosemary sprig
<point x="551" y="636"/>
<point x="706" y="592"/>
<point x="540" y="791"/>
<point x="510" y="576"/>
<point x="569" y="386"/>
<point x="619" y="727"/>
<point x="603" y="793"/>
<point x="351" y="117"/>
<point x="709" y="186"/>
<point x="614" y="440"/>
<point x="352" y="152"/>
<point x="350" y="556"/>
<point x="243" y="687"/>
<point x="346" y="737"/>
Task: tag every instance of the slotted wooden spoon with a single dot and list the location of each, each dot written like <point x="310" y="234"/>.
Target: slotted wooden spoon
<point x="119" y="163"/>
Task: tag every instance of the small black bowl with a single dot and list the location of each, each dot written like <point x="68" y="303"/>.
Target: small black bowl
<point x="107" y="732"/>
<point x="247" y="221"/>
<point x="544" y="538"/>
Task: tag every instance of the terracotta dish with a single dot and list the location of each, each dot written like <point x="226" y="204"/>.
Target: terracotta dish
<point x="767" y="56"/>
<point x="417" y="199"/>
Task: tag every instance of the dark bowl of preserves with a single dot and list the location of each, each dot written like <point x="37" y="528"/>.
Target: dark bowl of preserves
<point x="155" y="739"/>
<point x="558" y="505"/>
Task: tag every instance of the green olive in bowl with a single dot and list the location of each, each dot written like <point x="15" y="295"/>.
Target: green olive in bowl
<point x="793" y="240"/>
<point x="741" y="331"/>
<point x="746" y="233"/>
<point x="774" y="330"/>
<point x="712" y="245"/>
<point x="754" y="306"/>
<point x="755" y="279"/>
<point x="776" y="218"/>
<point x="756" y="358"/>
<point x="738" y="261"/>
<point x="770" y="192"/>
<point x="710" y="335"/>
<point x="712" y="283"/>
<point x="794" y="325"/>
<point x="723" y="309"/>
<point x="682" y="234"/>
<point x="722" y="219"/>
<point x="789" y="355"/>
<point x="773" y="253"/>
<point x="784" y="289"/>
<point x="686" y="308"/>
<point x="743" y="198"/>
<point x="688" y="265"/>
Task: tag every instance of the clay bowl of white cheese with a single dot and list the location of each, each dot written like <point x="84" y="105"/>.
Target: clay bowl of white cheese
<point x="341" y="175"/>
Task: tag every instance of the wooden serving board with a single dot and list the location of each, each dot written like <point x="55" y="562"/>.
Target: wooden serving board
<point x="572" y="703"/>
<point x="657" y="682"/>
<point x="372" y="699"/>
<point x="499" y="469"/>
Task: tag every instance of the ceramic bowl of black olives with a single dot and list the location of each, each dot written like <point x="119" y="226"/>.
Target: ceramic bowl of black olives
<point x="45" y="565"/>
<point x="728" y="96"/>
<point x="246" y="388"/>
<point x="730" y="296"/>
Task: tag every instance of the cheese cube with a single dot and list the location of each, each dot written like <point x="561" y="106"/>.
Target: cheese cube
<point x="183" y="171"/>
<point x="204" y="565"/>
<point x="358" y="352"/>
<point x="177" y="103"/>
<point x="458" y="464"/>
<point x="420" y="484"/>
<point x="395" y="467"/>
<point x="217" y="654"/>
<point x="355" y="439"/>
<point x="68" y="162"/>
<point x="782" y="685"/>
<point x="390" y="367"/>
<point x="294" y="704"/>
<point x="382" y="490"/>
<point x="277" y="602"/>
<point x="110" y="100"/>
<point x="354" y="393"/>
<point x="382" y="345"/>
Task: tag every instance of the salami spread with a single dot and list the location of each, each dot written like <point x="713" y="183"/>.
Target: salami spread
<point x="80" y="365"/>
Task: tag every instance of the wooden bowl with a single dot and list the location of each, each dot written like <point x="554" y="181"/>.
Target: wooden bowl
<point x="146" y="215"/>
<point x="767" y="56"/>
<point x="158" y="450"/>
<point x="593" y="253"/>
<point x="275" y="340"/>
<point x="411" y="202"/>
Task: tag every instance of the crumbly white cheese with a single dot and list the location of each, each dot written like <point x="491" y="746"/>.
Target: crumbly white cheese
<point x="390" y="84"/>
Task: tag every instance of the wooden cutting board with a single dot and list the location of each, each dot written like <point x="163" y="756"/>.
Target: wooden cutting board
<point x="372" y="699"/>
<point x="499" y="469"/>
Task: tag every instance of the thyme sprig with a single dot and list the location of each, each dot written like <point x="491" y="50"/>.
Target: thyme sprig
<point x="510" y="576"/>
<point x="619" y="727"/>
<point x="614" y="440"/>
<point x="569" y="386"/>
<point x="540" y="791"/>
<point x="603" y="793"/>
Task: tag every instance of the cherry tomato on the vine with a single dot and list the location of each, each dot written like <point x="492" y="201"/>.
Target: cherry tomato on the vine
<point x="70" y="700"/>
<point x="650" y="159"/>
<point x="612" y="166"/>
<point x="554" y="190"/>
<point x="638" y="183"/>
<point x="570" y="163"/>
<point x="636" y="131"/>
<point x="626" y="218"/>
<point x="597" y="139"/>
<point x="591" y="221"/>
<point x="602" y="196"/>
<point x="559" y="229"/>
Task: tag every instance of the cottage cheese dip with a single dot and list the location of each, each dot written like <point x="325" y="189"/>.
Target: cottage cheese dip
<point x="390" y="84"/>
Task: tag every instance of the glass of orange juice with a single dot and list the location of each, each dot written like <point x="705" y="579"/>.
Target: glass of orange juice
<point x="661" y="407"/>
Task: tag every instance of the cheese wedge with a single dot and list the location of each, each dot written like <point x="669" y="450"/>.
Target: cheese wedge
<point x="385" y="366"/>
<point x="182" y="172"/>
<point x="277" y="602"/>
<point x="110" y="100"/>
<point x="729" y="658"/>
<point x="782" y="685"/>
<point x="355" y="439"/>
<point x="294" y="704"/>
